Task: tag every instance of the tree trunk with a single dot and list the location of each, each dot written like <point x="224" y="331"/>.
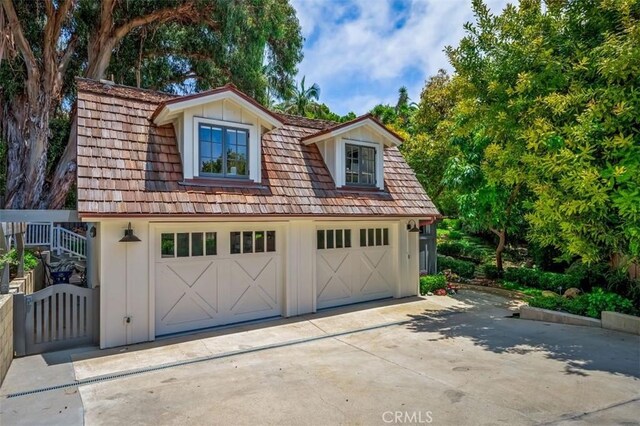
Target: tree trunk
<point x="502" y="240"/>
<point x="25" y="128"/>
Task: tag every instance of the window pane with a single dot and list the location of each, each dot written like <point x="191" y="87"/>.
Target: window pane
<point x="271" y="240"/>
<point x="385" y="236"/>
<point x="363" y="238"/>
<point x="378" y="236"/>
<point x="167" y="245"/>
<point x="182" y="241"/>
<point x="347" y="238"/>
<point x="237" y="160"/>
<point x="259" y="243"/>
<point x="338" y="238"/>
<point x="216" y="157"/>
<point x="196" y="244"/>
<point x="235" y="242"/>
<point x="320" y="239"/>
<point x="242" y="138"/>
<point x="330" y="238"/>
<point x="351" y="164"/>
<point x="211" y="244"/>
<point x="370" y="240"/>
<point x="247" y="242"/>
<point x="205" y="133"/>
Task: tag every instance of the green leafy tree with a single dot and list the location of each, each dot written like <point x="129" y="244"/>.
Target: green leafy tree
<point x="583" y="137"/>
<point x="549" y="121"/>
<point x="488" y="171"/>
<point x="176" y="45"/>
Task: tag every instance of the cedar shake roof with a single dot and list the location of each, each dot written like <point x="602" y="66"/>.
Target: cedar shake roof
<point x="338" y="126"/>
<point x="128" y="166"/>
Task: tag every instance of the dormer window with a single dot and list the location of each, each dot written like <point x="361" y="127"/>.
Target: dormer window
<point x="224" y="151"/>
<point x="354" y="152"/>
<point x="219" y="135"/>
<point x="360" y="165"/>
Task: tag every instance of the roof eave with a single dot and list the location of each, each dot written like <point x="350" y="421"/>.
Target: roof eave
<point x="368" y="120"/>
<point x="167" y="111"/>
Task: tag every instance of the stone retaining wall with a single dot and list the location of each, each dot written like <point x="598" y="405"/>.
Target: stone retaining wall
<point x="6" y="334"/>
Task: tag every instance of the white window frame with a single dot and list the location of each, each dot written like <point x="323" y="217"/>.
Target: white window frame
<point x="341" y="163"/>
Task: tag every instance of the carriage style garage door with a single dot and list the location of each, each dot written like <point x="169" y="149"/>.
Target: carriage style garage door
<point x="213" y="275"/>
<point x="353" y="265"/>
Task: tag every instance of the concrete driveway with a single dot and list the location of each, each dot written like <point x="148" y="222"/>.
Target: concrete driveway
<point x="437" y="360"/>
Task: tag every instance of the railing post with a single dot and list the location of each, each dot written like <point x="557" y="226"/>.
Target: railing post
<point x="19" y="319"/>
<point x="58" y="240"/>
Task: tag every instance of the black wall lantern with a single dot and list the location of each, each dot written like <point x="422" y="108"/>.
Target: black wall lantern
<point x="129" y="236"/>
<point x="412" y="228"/>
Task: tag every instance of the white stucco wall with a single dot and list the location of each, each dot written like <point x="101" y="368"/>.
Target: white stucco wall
<point x="127" y="287"/>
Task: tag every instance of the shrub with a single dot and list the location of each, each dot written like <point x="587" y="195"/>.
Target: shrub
<point x="600" y="300"/>
<point x="551" y="303"/>
<point x="540" y="279"/>
<point x="461" y="267"/>
<point x="508" y="285"/>
<point x="11" y="257"/>
<point x="455" y="235"/>
<point x="491" y="271"/>
<point x="451" y="248"/>
<point x="431" y="283"/>
<point x="590" y="304"/>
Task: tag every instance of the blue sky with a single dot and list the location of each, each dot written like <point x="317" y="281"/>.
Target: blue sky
<point x="361" y="51"/>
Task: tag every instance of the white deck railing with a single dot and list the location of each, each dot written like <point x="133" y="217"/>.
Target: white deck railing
<point x="57" y="238"/>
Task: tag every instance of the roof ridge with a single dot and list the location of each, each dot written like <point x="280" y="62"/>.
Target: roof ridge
<point x="110" y="83"/>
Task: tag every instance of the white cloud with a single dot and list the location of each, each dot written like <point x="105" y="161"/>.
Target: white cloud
<point x="366" y="59"/>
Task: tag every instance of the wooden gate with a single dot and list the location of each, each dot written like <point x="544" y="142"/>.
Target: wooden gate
<point x="58" y="317"/>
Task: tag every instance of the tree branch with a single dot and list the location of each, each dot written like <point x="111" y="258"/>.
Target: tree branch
<point x="187" y="10"/>
<point x="21" y="42"/>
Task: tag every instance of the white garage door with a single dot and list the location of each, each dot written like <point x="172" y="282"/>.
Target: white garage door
<point x="353" y="265"/>
<point x="213" y="275"/>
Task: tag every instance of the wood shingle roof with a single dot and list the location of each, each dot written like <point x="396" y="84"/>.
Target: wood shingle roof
<point x="130" y="167"/>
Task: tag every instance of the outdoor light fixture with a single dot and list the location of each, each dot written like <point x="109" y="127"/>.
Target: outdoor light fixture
<point x="412" y="228"/>
<point x="92" y="232"/>
<point x="129" y="236"/>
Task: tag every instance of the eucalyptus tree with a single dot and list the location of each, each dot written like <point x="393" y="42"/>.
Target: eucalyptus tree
<point x="175" y="45"/>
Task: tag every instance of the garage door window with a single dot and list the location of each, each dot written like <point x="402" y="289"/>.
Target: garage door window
<point x="185" y="244"/>
<point x="370" y="237"/>
<point x="252" y="242"/>
<point x="333" y="238"/>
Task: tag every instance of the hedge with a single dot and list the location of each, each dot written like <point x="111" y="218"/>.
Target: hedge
<point x="539" y="279"/>
<point x="430" y="283"/>
<point x="589" y="304"/>
<point x="461" y="267"/>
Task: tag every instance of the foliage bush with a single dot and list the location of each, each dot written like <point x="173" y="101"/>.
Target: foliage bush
<point x="491" y="271"/>
<point x="430" y="283"/>
<point x="451" y="248"/>
<point x="590" y="304"/>
<point x="539" y="279"/>
<point x="455" y="235"/>
<point x="600" y="300"/>
<point x="602" y="275"/>
<point x="461" y="267"/>
<point x="508" y="285"/>
<point x="11" y="257"/>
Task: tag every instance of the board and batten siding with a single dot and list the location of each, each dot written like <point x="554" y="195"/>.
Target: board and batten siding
<point x="224" y="113"/>
<point x="333" y="153"/>
<point x="127" y="287"/>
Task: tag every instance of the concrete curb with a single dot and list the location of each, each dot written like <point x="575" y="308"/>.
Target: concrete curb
<point x="621" y="322"/>
<point x="538" y="314"/>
